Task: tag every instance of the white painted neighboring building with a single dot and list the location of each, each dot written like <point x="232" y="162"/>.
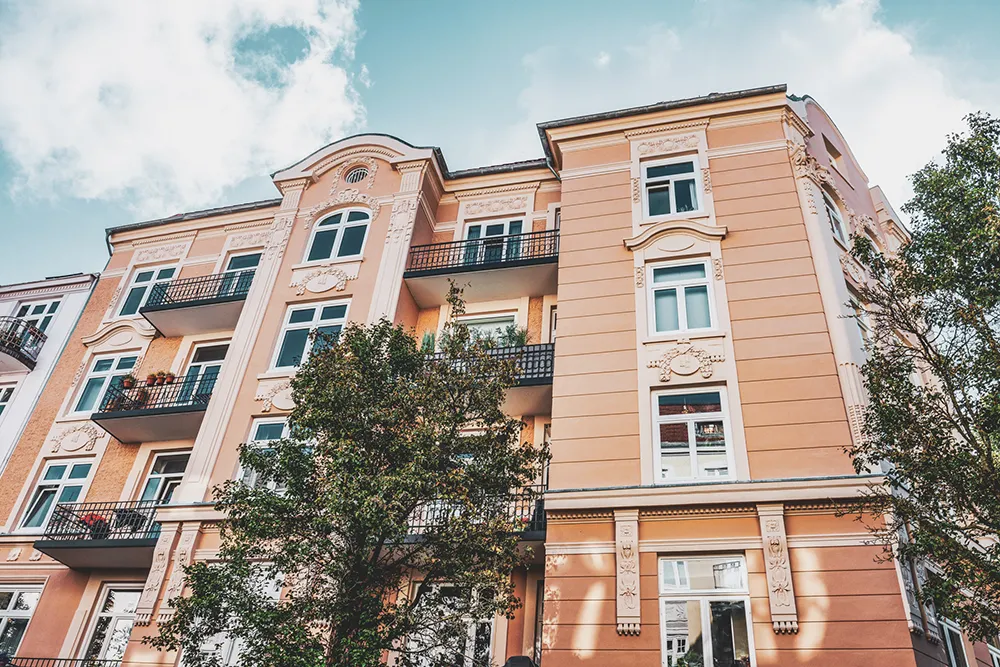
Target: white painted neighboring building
<point x="36" y="320"/>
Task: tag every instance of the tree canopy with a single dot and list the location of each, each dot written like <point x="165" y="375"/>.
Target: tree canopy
<point x="388" y="516"/>
<point x="933" y="378"/>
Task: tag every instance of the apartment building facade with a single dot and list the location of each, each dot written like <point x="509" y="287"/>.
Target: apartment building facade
<point x="698" y="395"/>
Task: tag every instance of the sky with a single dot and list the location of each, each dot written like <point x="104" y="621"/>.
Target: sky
<point x="113" y="111"/>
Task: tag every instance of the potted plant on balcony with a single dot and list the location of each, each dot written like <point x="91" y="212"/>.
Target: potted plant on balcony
<point x="161" y="377"/>
<point x="97" y="525"/>
<point x="151" y="379"/>
<point x="169" y="378"/>
<point x="130" y="520"/>
<point x="128" y="381"/>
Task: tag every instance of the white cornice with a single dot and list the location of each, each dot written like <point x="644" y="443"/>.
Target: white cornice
<point x="597" y="170"/>
<point x="47" y="288"/>
<point x="659" y="229"/>
<point x="747" y="149"/>
<point x="596" y="142"/>
<point x="527" y="188"/>
<point x="667" y="128"/>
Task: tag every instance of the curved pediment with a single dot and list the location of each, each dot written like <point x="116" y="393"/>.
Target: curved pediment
<point x="120" y="333"/>
<point x="357" y="147"/>
<point x="667" y="227"/>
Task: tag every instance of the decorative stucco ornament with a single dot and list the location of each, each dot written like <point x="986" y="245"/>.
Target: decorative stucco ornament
<point x="627" y="572"/>
<point x="784" y="617"/>
<point x="322" y="279"/>
<point x="76" y="438"/>
<point x="686" y="359"/>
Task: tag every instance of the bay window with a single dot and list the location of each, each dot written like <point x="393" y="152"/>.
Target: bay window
<point x="690" y="430"/>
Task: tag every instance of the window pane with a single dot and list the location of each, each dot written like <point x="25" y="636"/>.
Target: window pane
<point x="163" y="274"/>
<point x="91" y="392"/>
<point x="125" y="363"/>
<point x="668" y="274"/>
<point x="303" y="315"/>
<point x="53" y="307"/>
<point x="11" y="636"/>
<point x="682" y="404"/>
<point x="103" y="365"/>
<point x="670" y="169"/>
<point x="26" y="601"/>
<point x="144" y="276"/>
<point x="696" y="304"/>
<point x="269" y="431"/>
<point x="5" y="598"/>
<point x="665" y="310"/>
<point x="133" y="300"/>
<point x="321" y="343"/>
<point x="514" y="227"/>
<point x="55" y="472"/>
<point x="333" y="312"/>
<point x="152" y="486"/>
<point x="39" y="510"/>
<point x="97" y="640"/>
<point x="717" y="574"/>
<point x="292" y="348"/>
<point x="659" y="200"/>
<point x="70" y="494"/>
<point x="354" y="216"/>
<point x="675" y="453"/>
<point x="170" y="465"/>
<point x="687" y="198"/>
<point x="730" y="645"/>
<point x="322" y="245"/>
<point x="243" y="262"/>
<point x="352" y="240"/>
<point x="80" y="471"/>
<point x="675" y="574"/>
<point x="210" y="353"/>
<point x="682" y="633"/>
<point x="332" y="220"/>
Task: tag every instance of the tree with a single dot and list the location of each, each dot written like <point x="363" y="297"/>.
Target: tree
<point x="933" y="377"/>
<point x="386" y="515"/>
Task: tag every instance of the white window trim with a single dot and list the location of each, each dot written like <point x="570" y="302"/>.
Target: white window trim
<point x="13" y="386"/>
<point x="946" y="642"/>
<point x="313" y="325"/>
<point x="241" y="472"/>
<point x="644" y="165"/>
<point x="7" y="615"/>
<point x="994" y="654"/>
<point x="664" y="596"/>
<point x="473" y="624"/>
<point x="240" y="253"/>
<point x="96" y="611"/>
<point x="726" y="425"/>
<point x="40" y="480"/>
<point x="41" y="316"/>
<point x="72" y="412"/>
<point x="152" y="465"/>
<point x="120" y="303"/>
<point x="651" y="289"/>
<point x="340" y="237"/>
<point x="829" y="201"/>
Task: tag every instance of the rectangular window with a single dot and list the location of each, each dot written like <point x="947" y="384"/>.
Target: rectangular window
<point x="834" y="218"/>
<point x="474" y="648"/>
<point x="690" y="433"/>
<point x="671" y="187"/>
<point x="489" y="327"/>
<point x="953" y="645"/>
<point x="680" y="298"/>
<point x="164" y="477"/>
<point x="60" y="482"/>
<point x="494" y="241"/>
<point x="16" y="606"/>
<point x="262" y="433"/>
<point x="705" y="612"/>
<point x="6" y="394"/>
<point x="300" y="321"/>
<point x="202" y="372"/>
<point x="38" y="314"/>
<point x="238" y="274"/>
<point x="104" y="373"/>
<point x="113" y="625"/>
<point x="143" y="283"/>
<point x="836" y="159"/>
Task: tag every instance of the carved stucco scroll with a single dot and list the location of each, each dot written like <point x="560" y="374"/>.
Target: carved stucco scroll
<point x="670" y="144"/>
<point x="345" y="196"/>
<point x="277" y="395"/>
<point x="499" y="205"/>
<point x="76" y="438"/>
<point x="321" y="279"/>
<point x="157" y="573"/>
<point x="784" y="617"/>
<point x="627" y="572"/>
<point x="685" y="358"/>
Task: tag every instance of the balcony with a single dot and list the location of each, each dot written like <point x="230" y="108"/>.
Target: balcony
<point x="499" y="267"/>
<point x="198" y="305"/>
<point x="160" y="412"/>
<point x="20" y="344"/>
<point x="532" y="395"/>
<point x="86" y="536"/>
<point x="526" y="511"/>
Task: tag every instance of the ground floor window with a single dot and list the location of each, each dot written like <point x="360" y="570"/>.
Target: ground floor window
<point x="474" y="646"/>
<point x="954" y="647"/>
<point x="16" y="606"/>
<point x="113" y="625"/>
<point x="705" y="612"/>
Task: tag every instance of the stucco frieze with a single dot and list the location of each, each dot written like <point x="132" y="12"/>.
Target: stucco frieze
<point x="685" y="358"/>
<point x="75" y="438"/>
<point x="668" y="144"/>
<point x="371" y="164"/>
<point x="345" y="196"/>
<point x="320" y="279"/>
<point x="275" y="394"/>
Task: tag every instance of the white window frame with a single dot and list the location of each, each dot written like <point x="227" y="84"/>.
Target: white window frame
<point x="107" y="375"/>
<point x="249" y="476"/>
<point x="949" y="650"/>
<point x="994" y="655"/>
<point x="690" y="419"/>
<point x="313" y="324"/>
<point x="59" y="485"/>
<point x="831" y="209"/>
<point x="152" y="465"/>
<point x="97" y="614"/>
<point x="644" y="165"/>
<point x="680" y="286"/>
<point x="6" y="615"/>
<point x="486" y="317"/>
<point x="704" y="598"/>
<point x="316" y="229"/>
<point x="149" y="286"/>
<point x="472" y="626"/>
<point x="48" y="312"/>
<point x="8" y="391"/>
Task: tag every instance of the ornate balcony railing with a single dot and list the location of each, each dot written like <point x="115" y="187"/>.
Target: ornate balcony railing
<point x="15" y="661"/>
<point x="484" y="253"/>
<point x="20" y="340"/>
<point x="525" y="510"/>
<point x="184" y="392"/>
<point x="204" y="289"/>
<point x="534" y="362"/>
<point x="132" y="520"/>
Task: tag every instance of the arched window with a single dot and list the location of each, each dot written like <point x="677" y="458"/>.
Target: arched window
<point x="340" y="234"/>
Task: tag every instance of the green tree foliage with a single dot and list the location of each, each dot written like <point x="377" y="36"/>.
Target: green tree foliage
<point x="933" y="376"/>
<point x="398" y="470"/>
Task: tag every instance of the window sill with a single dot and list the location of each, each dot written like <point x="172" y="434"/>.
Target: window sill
<point x="684" y="335"/>
<point x="688" y="215"/>
<point x="679" y="483"/>
<point x="329" y="262"/>
<point x="73" y="417"/>
<point x="277" y="373"/>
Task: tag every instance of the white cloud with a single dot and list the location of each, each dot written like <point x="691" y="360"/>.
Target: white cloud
<point x="893" y="103"/>
<point x="164" y="104"/>
<point x="602" y="60"/>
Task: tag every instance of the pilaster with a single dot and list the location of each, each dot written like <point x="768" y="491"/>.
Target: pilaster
<point x="780" y="593"/>
<point x="627" y="572"/>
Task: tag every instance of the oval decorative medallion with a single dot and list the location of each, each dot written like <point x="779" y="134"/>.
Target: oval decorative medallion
<point x="283" y="399"/>
<point x="685" y="364"/>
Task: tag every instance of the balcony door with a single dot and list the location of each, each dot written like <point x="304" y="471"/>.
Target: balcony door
<point x="238" y="275"/>
<point x="493" y="242"/>
<point x="113" y="625"/>
<point x="202" y="372"/>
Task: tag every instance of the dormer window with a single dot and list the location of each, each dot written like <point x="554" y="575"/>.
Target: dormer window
<point x="671" y="187"/>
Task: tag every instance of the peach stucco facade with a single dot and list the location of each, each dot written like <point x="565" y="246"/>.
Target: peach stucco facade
<point x="681" y="271"/>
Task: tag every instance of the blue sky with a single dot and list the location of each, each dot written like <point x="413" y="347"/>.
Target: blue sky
<point x="115" y="112"/>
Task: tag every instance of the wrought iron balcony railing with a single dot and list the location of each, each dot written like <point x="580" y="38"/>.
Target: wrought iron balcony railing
<point x="204" y="289"/>
<point x="484" y="253"/>
<point x="20" y="340"/>
<point x="534" y="362"/>
<point x="16" y="661"/>
<point x="525" y="510"/>
<point x="184" y="392"/>
<point x="132" y="520"/>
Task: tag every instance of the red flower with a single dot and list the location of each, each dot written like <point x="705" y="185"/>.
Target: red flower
<point x="89" y="520"/>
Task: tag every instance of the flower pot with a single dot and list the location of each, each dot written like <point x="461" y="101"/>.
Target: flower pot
<point x="128" y="384"/>
<point x="160" y="379"/>
<point x="169" y="379"/>
<point x="150" y="381"/>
